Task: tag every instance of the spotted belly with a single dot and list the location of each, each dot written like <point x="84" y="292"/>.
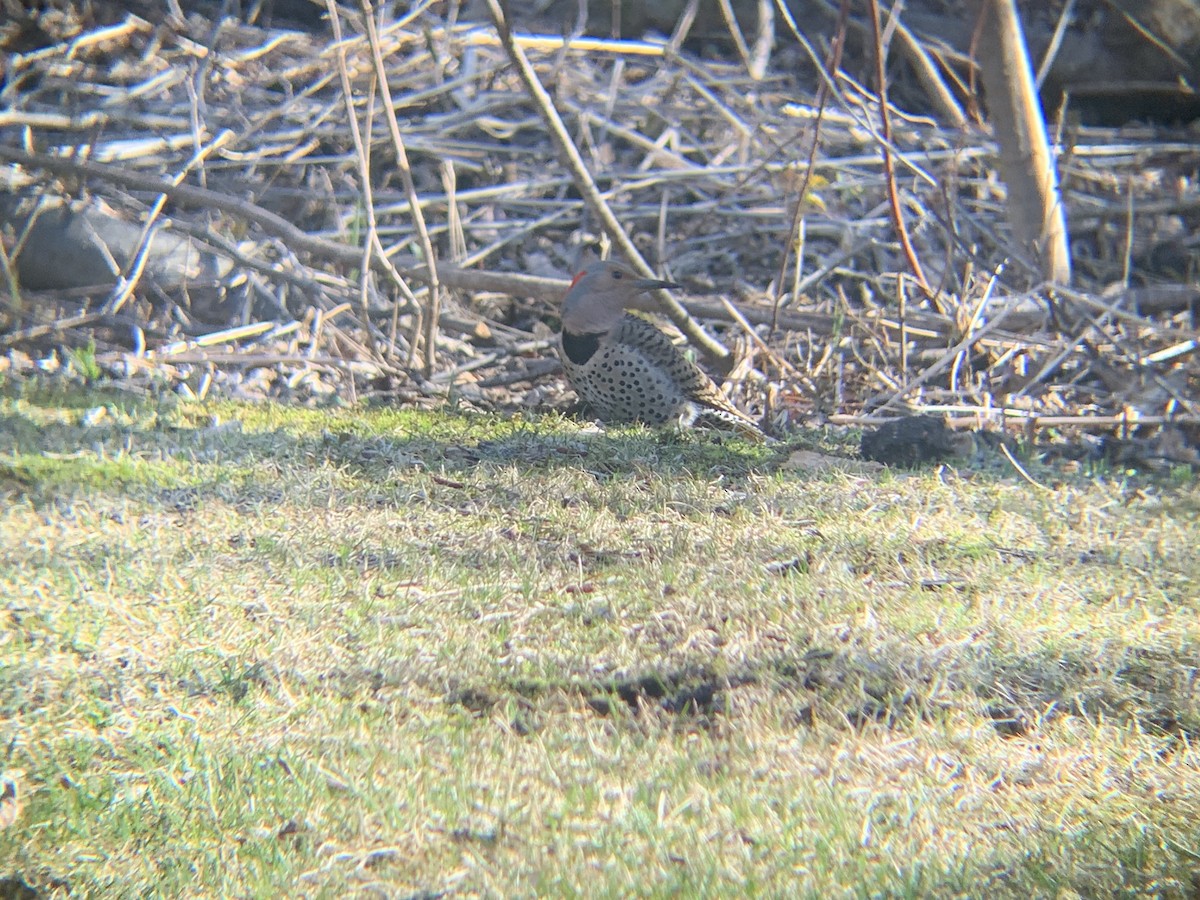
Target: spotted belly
<point x="621" y="385"/>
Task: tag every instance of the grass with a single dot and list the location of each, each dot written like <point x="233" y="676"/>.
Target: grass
<point x="254" y="650"/>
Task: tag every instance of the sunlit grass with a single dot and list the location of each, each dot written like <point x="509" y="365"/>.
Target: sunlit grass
<point x="256" y="650"/>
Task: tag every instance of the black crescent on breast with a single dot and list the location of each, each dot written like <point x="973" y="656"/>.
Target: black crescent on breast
<point x="580" y="347"/>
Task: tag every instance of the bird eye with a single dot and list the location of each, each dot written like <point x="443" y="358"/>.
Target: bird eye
<point x="618" y="274"/>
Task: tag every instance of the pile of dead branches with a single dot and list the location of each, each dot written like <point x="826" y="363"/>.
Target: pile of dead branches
<point x="388" y="207"/>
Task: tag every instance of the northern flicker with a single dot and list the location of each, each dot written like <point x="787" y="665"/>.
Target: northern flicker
<point x="624" y="367"/>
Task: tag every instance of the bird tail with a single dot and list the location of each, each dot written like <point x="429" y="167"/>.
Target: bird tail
<point x="724" y="420"/>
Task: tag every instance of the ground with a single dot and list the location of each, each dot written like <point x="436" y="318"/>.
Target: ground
<point x="251" y="649"/>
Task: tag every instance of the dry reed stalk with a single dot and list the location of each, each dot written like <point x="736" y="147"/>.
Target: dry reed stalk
<point x="1034" y="204"/>
<point x="889" y="166"/>
<point x="710" y="348"/>
<point x="402" y="164"/>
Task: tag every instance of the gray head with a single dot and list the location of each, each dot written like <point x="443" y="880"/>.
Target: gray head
<point x="600" y="294"/>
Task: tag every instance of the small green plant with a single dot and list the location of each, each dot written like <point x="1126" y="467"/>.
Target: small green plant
<point x="83" y="361"/>
<point x="1179" y="476"/>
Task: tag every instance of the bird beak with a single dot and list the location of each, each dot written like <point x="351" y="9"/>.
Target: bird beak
<point x="650" y="284"/>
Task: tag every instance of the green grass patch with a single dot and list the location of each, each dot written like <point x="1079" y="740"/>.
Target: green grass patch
<point x="253" y="650"/>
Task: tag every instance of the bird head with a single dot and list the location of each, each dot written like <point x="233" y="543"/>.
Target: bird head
<point x="600" y="294"/>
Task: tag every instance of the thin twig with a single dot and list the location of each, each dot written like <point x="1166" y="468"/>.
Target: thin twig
<point x="735" y="32"/>
<point x="948" y="358"/>
<point x="1060" y="30"/>
<point x="832" y="62"/>
<point x="1021" y="469"/>
<point x="778" y="361"/>
<point x="190" y="195"/>
<point x="410" y="189"/>
<point x="362" y="150"/>
<point x="889" y="167"/>
<point x="128" y="282"/>
<point x="710" y="348"/>
<point x="927" y="73"/>
<point x="1028" y="419"/>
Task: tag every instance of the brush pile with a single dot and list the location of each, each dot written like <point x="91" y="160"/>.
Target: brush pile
<point x="215" y="207"/>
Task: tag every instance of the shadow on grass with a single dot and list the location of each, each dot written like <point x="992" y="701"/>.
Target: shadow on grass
<point x="76" y="435"/>
<point x="855" y="688"/>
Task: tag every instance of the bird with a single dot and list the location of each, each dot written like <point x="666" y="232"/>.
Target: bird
<point x="625" y="368"/>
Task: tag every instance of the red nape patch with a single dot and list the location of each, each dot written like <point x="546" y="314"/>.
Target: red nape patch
<point x="575" y="280"/>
